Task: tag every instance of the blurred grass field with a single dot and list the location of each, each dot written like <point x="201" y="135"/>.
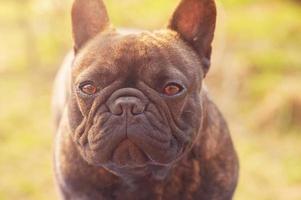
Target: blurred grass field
<point x="255" y="79"/>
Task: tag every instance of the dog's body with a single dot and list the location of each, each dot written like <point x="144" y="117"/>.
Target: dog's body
<point x="133" y="120"/>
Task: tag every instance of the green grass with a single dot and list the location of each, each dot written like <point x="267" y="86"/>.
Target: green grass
<point x="25" y="145"/>
<point x="255" y="80"/>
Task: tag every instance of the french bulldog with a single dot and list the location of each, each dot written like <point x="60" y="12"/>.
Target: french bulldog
<point x="133" y="118"/>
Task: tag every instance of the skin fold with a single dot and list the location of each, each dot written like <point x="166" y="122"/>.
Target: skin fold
<point x="127" y="137"/>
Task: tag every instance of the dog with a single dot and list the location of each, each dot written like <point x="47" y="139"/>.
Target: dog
<point x="133" y="118"/>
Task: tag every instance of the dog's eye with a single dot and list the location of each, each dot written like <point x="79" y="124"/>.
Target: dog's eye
<point x="172" y="89"/>
<point x="88" y="88"/>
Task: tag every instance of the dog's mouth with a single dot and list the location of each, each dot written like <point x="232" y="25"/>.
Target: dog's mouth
<point x="131" y="140"/>
<point x="127" y="154"/>
<point x="128" y="132"/>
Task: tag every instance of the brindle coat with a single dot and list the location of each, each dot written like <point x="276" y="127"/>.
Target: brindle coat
<point x="126" y="138"/>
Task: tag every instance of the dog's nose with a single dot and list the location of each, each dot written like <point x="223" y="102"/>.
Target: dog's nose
<point x="129" y="105"/>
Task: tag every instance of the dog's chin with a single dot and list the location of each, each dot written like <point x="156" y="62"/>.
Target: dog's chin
<point x="128" y="160"/>
<point x="127" y="155"/>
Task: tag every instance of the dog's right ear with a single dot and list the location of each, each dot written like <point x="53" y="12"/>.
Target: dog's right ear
<point x="195" y="20"/>
<point x="89" y="17"/>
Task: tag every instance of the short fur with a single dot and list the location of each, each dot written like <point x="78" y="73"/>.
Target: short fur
<point x="129" y="140"/>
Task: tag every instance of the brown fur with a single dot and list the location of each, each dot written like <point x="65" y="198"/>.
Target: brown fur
<point x="128" y="141"/>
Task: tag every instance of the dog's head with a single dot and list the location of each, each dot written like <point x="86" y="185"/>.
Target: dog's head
<point x="135" y="100"/>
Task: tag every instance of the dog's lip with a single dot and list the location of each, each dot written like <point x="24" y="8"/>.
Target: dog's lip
<point x="150" y="161"/>
<point x="148" y="165"/>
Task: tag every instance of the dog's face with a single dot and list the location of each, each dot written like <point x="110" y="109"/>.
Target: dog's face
<point x="135" y="99"/>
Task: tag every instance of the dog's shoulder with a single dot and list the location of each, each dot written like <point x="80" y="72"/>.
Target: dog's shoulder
<point x="61" y="88"/>
<point x="215" y="130"/>
<point x="215" y="151"/>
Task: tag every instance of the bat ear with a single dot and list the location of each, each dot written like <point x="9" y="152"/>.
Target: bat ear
<point x="195" y="20"/>
<point x="89" y="17"/>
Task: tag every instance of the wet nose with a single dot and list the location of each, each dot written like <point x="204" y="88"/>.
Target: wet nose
<point x="129" y="105"/>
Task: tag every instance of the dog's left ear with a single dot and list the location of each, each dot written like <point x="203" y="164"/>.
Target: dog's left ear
<point x="89" y="17"/>
<point x="195" y="21"/>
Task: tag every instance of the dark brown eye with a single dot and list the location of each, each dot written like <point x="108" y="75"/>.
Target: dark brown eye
<point x="88" y="88"/>
<point x="172" y="89"/>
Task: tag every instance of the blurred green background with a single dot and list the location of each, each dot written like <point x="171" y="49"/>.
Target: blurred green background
<point x="255" y="79"/>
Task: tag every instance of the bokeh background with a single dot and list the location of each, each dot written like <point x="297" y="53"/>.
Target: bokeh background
<point x="255" y="79"/>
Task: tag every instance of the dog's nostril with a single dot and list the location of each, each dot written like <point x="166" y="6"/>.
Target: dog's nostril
<point x="130" y="105"/>
<point x="137" y="110"/>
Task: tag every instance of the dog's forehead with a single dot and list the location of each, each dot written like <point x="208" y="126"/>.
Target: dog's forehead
<point x="139" y="53"/>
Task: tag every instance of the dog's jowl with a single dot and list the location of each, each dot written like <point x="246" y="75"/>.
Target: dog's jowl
<point x="133" y="120"/>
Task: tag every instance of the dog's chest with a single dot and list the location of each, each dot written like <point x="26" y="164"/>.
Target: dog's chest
<point x="183" y="183"/>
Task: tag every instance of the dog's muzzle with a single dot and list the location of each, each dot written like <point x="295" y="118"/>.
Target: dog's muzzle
<point x="128" y="130"/>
